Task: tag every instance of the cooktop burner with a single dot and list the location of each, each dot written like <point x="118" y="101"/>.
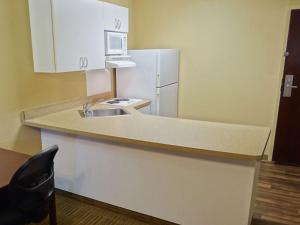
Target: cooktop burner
<point x="119" y="100"/>
<point x="113" y="102"/>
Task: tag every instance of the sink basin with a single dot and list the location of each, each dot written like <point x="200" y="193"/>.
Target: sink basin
<point x="103" y="112"/>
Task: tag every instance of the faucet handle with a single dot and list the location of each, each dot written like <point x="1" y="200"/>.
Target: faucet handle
<point x="86" y="106"/>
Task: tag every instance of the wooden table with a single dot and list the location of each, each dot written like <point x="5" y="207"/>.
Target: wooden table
<point x="10" y="162"/>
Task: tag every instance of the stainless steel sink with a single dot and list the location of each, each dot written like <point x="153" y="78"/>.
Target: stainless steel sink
<point x="102" y="113"/>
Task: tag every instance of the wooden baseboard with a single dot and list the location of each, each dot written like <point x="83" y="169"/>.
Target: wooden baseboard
<point x="126" y="212"/>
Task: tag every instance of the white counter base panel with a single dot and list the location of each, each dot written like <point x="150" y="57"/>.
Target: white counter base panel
<point x="173" y="187"/>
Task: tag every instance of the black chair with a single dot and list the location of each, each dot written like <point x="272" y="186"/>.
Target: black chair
<point x="30" y="195"/>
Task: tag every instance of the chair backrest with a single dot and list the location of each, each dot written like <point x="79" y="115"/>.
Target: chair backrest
<point x="33" y="183"/>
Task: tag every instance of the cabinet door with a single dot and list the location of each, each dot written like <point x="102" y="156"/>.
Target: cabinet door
<point x="94" y="44"/>
<point x="115" y="18"/>
<point x="78" y="35"/>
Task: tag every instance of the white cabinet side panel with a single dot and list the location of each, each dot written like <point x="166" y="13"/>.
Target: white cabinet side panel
<point x="176" y="188"/>
<point x="65" y="160"/>
<point x="40" y="12"/>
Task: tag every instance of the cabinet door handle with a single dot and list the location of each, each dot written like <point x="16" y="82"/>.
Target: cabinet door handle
<point x="86" y="62"/>
<point x="81" y="62"/>
<point x="116" y="23"/>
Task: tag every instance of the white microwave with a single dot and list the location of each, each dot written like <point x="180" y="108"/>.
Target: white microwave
<point x="115" y="43"/>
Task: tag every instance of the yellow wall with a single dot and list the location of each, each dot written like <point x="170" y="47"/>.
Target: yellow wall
<point x="294" y="4"/>
<point x="231" y="54"/>
<point x="20" y="88"/>
<point x="230" y="71"/>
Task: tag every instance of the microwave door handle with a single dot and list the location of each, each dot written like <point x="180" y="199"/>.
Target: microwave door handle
<point x="124" y="47"/>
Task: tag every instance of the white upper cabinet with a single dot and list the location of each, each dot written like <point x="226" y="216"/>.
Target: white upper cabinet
<point x="115" y="18"/>
<point x="67" y="35"/>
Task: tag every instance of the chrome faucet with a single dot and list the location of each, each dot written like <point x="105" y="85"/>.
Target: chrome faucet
<point x="86" y="108"/>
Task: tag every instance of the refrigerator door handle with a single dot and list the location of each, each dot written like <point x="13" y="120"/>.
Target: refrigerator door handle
<point x="158" y="80"/>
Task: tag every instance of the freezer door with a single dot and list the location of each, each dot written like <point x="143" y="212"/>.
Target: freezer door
<point x="167" y="101"/>
<point x="140" y="81"/>
<point x="168" y="67"/>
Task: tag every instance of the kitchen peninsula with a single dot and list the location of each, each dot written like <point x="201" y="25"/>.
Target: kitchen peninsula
<point x="184" y="171"/>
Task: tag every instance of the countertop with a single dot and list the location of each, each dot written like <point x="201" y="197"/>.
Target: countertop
<point x="171" y="134"/>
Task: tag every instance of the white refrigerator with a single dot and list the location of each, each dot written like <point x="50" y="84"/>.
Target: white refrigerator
<point x="154" y="78"/>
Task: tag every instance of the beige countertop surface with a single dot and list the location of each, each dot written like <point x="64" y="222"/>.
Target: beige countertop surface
<point x="199" y="138"/>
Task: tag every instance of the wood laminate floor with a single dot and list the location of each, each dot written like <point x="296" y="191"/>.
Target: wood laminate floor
<point x="74" y="212"/>
<point x="278" y="197"/>
<point x="277" y="203"/>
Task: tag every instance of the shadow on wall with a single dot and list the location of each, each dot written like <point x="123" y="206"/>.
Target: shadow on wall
<point x="28" y="140"/>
